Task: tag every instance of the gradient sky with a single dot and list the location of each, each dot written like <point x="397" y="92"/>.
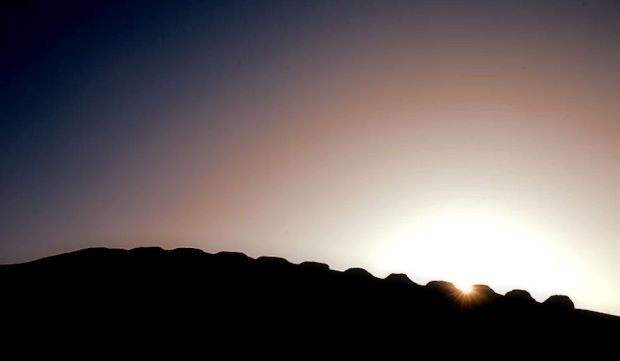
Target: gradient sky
<point x="467" y="141"/>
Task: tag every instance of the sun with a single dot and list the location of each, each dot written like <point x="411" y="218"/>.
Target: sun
<point x="467" y="290"/>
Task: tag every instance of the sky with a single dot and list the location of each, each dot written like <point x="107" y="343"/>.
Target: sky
<point x="475" y="142"/>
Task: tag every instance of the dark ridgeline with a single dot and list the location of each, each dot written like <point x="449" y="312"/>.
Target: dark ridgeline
<point x="109" y="298"/>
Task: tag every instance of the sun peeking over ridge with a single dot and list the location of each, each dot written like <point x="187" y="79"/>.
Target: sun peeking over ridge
<point x="477" y="244"/>
<point x="466" y="290"/>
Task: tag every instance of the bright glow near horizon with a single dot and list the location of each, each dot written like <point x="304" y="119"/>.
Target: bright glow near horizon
<point x="478" y="245"/>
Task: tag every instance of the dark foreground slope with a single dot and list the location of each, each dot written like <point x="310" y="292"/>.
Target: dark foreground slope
<point x="151" y="297"/>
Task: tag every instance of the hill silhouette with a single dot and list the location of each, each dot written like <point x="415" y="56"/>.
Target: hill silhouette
<point x="186" y="295"/>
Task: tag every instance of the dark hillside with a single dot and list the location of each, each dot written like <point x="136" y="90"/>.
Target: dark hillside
<point x="148" y="294"/>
